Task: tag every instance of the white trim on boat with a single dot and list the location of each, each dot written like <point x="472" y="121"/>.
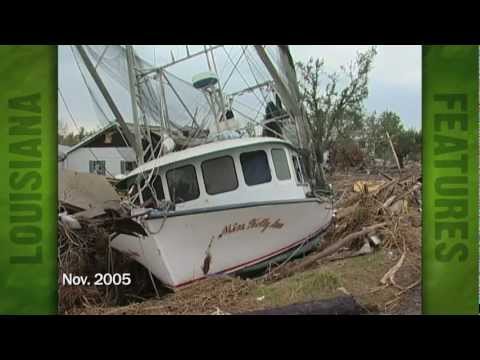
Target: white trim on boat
<point x="206" y="149"/>
<point x="174" y="213"/>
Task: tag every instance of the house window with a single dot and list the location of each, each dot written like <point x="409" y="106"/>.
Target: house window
<point x="281" y="164"/>
<point x="97" y="167"/>
<point x="255" y="167"/>
<point x="298" y="169"/>
<point x="219" y="175"/>
<point x="127" y="166"/>
<point x="183" y="184"/>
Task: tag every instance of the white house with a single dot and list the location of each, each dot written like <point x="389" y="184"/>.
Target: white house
<point x="104" y="153"/>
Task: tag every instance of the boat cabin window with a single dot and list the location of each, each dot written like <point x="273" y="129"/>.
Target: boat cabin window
<point x="130" y="184"/>
<point x="255" y="167"/>
<point x="281" y="164"/>
<point x="219" y="175"/>
<point x="183" y="184"/>
<point x="154" y="186"/>
<point x="298" y="169"/>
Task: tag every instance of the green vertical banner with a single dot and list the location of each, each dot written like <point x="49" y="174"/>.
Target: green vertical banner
<point x="28" y="181"/>
<point x="450" y="179"/>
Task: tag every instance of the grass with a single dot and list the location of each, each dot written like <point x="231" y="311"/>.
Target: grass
<point x="359" y="276"/>
<point x="301" y="287"/>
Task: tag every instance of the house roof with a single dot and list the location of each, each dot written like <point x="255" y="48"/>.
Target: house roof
<point x="89" y="138"/>
<point x="110" y="126"/>
<point x="63" y="149"/>
<point x="62" y="152"/>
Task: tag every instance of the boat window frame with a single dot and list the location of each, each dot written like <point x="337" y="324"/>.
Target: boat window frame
<point x="286" y="161"/>
<point x="234" y="172"/>
<point x="266" y="162"/>
<point x="135" y="181"/>
<point x="296" y="157"/>
<point x="156" y="174"/>
<point x="303" y="166"/>
<point x="172" y="199"/>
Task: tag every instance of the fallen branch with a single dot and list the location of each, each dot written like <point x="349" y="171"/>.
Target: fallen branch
<point x="394" y="152"/>
<point x="355" y="197"/>
<point x="409" y="287"/>
<point x="405" y="194"/>
<point x="398" y="296"/>
<point x="343" y="212"/>
<point x="385" y="186"/>
<point x="388" y="177"/>
<point x="390" y="274"/>
<point x="335" y="246"/>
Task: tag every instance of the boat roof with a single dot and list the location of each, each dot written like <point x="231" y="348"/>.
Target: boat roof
<point x="206" y="149"/>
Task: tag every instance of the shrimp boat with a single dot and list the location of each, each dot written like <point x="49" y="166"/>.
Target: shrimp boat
<point x="223" y="192"/>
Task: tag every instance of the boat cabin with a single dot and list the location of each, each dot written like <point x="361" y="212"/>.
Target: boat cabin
<point x="222" y="173"/>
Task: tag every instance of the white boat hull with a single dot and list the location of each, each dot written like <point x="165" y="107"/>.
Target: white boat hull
<point x="235" y="238"/>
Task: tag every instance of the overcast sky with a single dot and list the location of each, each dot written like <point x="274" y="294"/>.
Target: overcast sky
<point x="395" y="81"/>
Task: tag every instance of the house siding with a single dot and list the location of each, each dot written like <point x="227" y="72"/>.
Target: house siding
<point x="79" y="159"/>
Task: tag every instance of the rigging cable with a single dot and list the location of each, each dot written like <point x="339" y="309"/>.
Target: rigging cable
<point x="242" y="77"/>
<point x="78" y="128"/>
<point x="97" y="105"/>
<point x="235" y="67"/>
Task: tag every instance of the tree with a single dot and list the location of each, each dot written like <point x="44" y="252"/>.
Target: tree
<point x="408" y="144"/>
<point x="373" y="135"/>
<point x="334" y="108"/>
<point x="391" y="122"/>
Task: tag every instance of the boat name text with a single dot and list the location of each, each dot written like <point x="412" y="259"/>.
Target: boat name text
<point x="257" y="223"/>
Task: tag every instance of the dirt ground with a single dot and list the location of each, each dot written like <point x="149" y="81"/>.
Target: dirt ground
<point x="336" y="275"/>
<point x="358" y="276"/>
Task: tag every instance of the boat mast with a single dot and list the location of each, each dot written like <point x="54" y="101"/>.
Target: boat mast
<point x="132" y="78"/>
<point x="101" y="86"/>
<point x="215" y="95"/>
<point x="165" y="121"/>
<point x="220" y="92"/>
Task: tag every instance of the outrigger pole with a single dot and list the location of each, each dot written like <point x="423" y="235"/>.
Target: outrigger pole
<point x="113" y="107"/>
<point x="295" y="110"/>
<point x="132" y="77"/>
<point x="282" y="89"/>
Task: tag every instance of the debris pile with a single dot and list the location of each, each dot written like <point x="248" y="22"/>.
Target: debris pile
<point x="207" y="297"/>
<point x="373" y="212"/>
<point x="380" y="212"/>
<point x="394" y="202"/>
<point x="90" y="215"/>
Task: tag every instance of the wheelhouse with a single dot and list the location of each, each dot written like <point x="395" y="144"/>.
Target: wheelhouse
<point x="228" y="172"/>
